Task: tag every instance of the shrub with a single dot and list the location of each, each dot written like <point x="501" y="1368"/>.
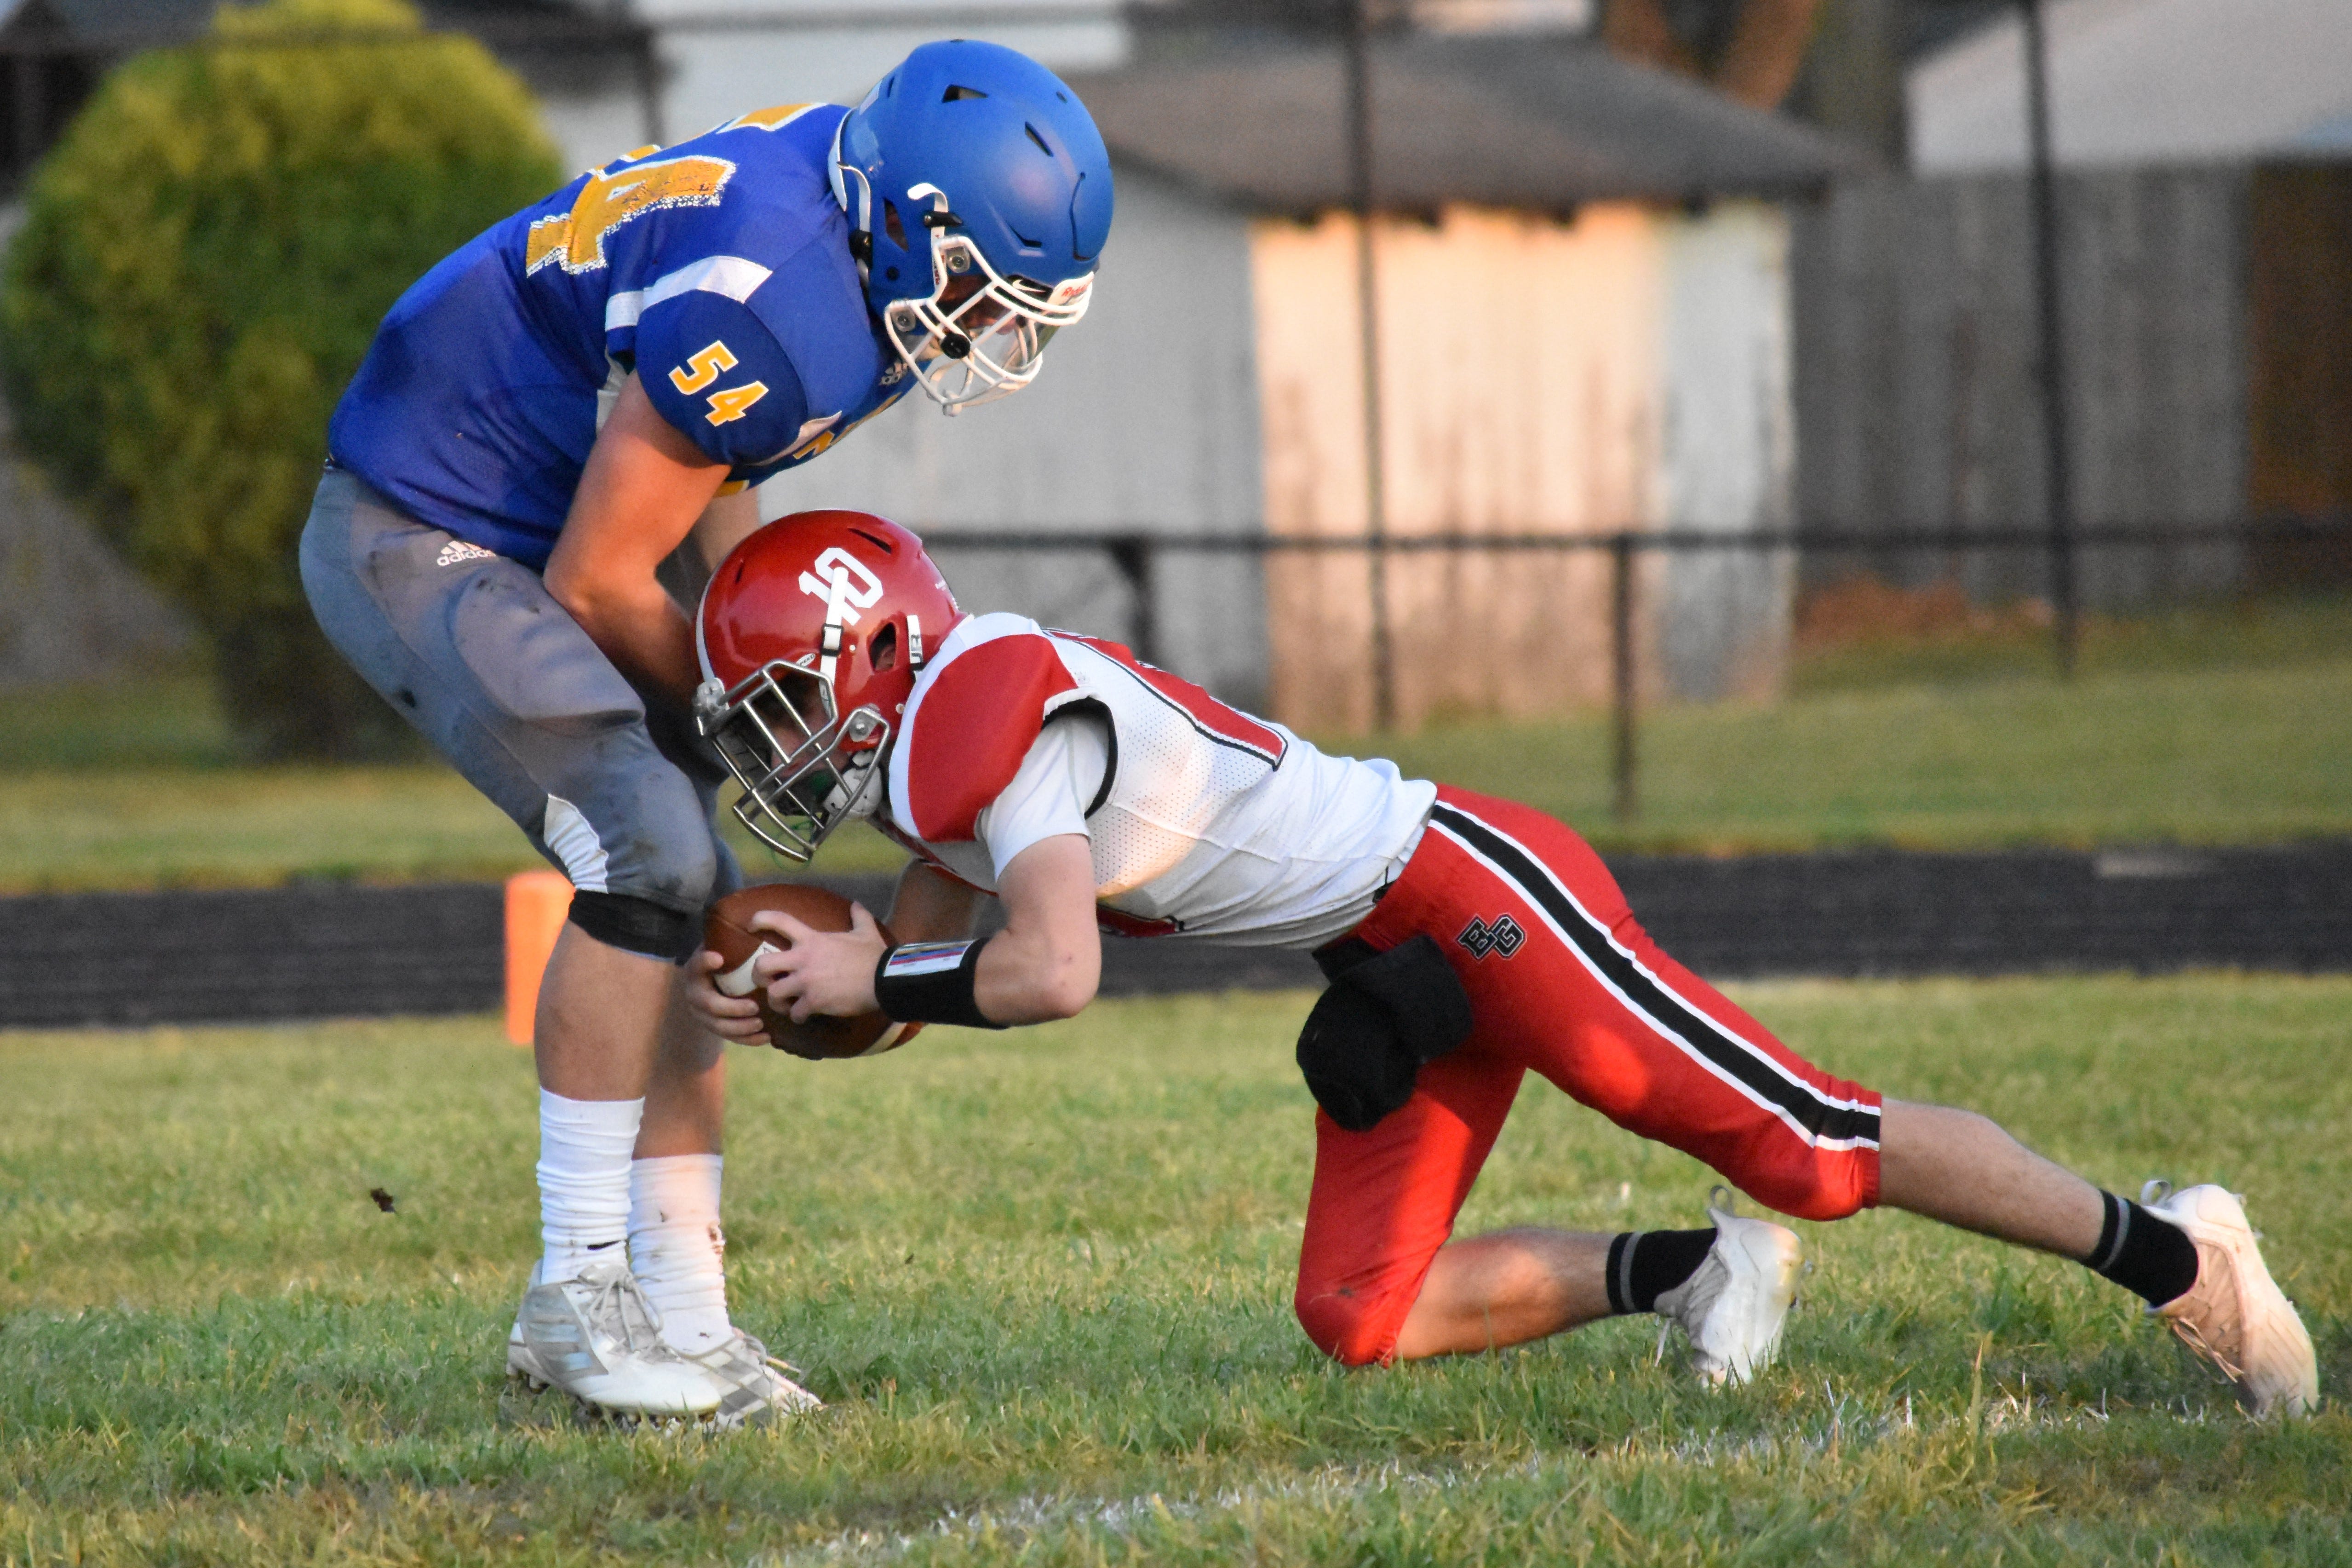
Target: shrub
<point x="204" y="257"/>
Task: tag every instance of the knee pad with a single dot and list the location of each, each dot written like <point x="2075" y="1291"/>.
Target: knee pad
<point x="637" y="925"/>
<point x="1352" y="1330"/>
<point x="652" y="904"/>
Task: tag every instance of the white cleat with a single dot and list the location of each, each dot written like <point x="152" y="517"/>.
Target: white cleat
<point x="1732" y="1310"/>
<point x="758" y="1391"/>
<point x="597" y="1339"/>
<point x="2235" y="1316"/>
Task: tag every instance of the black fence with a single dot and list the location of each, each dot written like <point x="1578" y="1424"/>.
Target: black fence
<point x="2313" y="548"/>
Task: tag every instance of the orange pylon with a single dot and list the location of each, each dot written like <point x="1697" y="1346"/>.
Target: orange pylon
<point x="537" y="902"/>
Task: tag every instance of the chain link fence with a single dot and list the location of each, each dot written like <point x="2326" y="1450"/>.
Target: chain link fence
<point x="1135" y="557"/>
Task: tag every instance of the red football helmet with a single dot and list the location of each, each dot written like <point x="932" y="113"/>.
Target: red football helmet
<point x="809" y="635"/>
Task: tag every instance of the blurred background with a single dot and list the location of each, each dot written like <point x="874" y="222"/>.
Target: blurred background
<point x="1732" y="424"/>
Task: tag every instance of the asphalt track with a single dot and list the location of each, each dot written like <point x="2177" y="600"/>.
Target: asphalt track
<point x="331" y="950"/>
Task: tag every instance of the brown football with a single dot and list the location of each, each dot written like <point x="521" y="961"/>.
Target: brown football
<point x="727" y="931"/>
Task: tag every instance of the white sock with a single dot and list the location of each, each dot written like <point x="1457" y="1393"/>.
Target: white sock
<point x="677" y="1249"/>
<point x="583" y="1181"/>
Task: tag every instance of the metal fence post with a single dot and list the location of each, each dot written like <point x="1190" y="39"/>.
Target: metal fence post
<point x="649" y="86"/>
<point x="1137" y="562"/>
<point x="1368" y="326"/>
<point x="2059" y="482"/>
<point x="1621" y="633"/>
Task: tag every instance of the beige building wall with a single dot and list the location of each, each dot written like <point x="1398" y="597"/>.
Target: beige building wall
<point x="1625" y="370"/>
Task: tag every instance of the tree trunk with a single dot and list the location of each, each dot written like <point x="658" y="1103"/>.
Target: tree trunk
<point x="1768" y="45"/>
<point x="1638" y="30"/>
<point x="1758" y="64"/>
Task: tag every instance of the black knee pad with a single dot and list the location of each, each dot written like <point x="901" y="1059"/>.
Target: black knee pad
<point x="637" y="925"/>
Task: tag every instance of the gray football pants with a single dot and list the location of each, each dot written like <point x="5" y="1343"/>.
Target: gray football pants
<point x="470" y="648"/>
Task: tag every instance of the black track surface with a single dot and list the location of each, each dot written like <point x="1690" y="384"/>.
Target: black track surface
<point x="69" y="960"/>
<point x="250" y="956"/>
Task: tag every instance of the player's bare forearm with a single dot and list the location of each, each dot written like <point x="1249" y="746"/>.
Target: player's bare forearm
<point x="643" y="632"/>
<point x="1048" y="961"/>
<point x="930" y="907"/>
<point x="643" y="486"/>
<point x="725" y="523"/>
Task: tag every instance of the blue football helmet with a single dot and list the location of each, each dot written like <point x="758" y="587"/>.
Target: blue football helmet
<point x="979" y="197"/>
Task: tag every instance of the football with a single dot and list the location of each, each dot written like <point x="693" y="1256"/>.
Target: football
<point x="727" y="931"/>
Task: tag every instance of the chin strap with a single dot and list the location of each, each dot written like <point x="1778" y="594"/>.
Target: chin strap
<point x="861" y="221"/>
<point x="836" y="612"/>
<point x="862" y="786"/>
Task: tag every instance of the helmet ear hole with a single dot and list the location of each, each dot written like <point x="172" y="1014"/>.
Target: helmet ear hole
<point x="891" y="225"/>
<point x="882" y="649"/>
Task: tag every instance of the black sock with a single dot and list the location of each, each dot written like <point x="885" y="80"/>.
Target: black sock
<point x="2142" y="1252"/>
<point x="1645" y="1263"/>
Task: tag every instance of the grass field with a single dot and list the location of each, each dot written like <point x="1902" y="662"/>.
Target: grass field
<point x="2220" y="727"/>
<point x="1044" y="1278"/>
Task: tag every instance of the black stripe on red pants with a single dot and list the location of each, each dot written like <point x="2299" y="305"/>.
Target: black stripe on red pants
<point x="1825" y="1120"/>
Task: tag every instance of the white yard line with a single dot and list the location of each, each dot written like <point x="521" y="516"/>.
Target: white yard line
<point x="1037" y="1513"/>
<point x="2005" y="1411"/>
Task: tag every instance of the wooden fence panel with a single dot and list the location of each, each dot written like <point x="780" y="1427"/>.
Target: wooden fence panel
<point x="2300" y="414"/>
<point x="1624" y="371"/>
<point x="1919" y="404"/>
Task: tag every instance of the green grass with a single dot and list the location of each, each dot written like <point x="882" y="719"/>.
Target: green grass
<point x="2005" y="644"/>
<point x="1044" y="1279"/>
<point x="2208" y="756"/>
<point x="2226" y="725"/>
<point x="2223" y="726"/>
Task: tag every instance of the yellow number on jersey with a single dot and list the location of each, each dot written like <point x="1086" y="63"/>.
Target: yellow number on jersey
<point x="707" y="364"/>
<point x="732" y="403"/>
<point x="575" y="240"/>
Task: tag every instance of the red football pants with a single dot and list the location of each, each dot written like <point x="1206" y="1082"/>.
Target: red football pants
<point x="1562" y="980"/>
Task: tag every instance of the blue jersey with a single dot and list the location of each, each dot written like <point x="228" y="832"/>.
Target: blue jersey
<point x="718" y="270"/>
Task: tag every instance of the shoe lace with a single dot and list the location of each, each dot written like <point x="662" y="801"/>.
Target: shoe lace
<point x="746" y="1352"/>
<point x="2194" y="1338"/>
<point x="2152" y="1192"/>
<point x="758" y="1351"/>
<point x="616" y="1304"/>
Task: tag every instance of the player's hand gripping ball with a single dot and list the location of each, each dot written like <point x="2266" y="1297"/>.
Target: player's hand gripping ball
<point x="728" y="933"/>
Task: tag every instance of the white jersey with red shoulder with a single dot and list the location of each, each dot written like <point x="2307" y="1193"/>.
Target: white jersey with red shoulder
<point x="1201" y="821"/>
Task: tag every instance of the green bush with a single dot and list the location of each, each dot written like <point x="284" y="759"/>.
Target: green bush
<point x="204" y="257"/>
